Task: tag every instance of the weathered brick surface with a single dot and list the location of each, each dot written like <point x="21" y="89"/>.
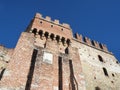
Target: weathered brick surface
<point x="42" y="62"/>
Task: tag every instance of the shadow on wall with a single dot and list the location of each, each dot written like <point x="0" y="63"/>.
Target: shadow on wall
<point x="73" y="83"/>
<point x="2" y="72"/>
<point x="31" y="70"/>
<point x="60" y="73"/>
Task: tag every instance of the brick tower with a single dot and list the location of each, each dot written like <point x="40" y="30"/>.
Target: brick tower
<point x="48" y="57"/>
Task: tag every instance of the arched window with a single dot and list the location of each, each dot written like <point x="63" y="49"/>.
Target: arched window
<point x="34" y="31"/>
<point x="105" y="71"/>
<point x="63" y="40"/>
<point x="52" y="36"/>
<point x="100" y="58"/>
<point x="40" y="33"/>
<point x="57" y="38"/>
<point x="68" y="42"/>
<point x="46" y="35"/>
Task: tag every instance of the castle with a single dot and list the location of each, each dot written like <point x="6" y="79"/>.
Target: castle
<point x="48" y="57"/>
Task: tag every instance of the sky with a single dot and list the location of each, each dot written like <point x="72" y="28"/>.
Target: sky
<point x="97" y="19"/>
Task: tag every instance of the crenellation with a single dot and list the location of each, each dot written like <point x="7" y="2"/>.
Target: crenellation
<point x="66" y="25"/>
<point x="90" y="42"/>
<point x="48" y="18"/>
<point x="104" y="47"/>
<point x="38" y="15"/>
<point x="79" y="37"/>
<point x="56" y="21"/>
<point x="97" y="44"/>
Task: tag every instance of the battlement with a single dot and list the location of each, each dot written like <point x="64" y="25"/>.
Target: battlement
<point x="47" y="18"/>
<point x="48" y="28"/>
<point x="90" y="42"/>
<point x="45" y="27"/>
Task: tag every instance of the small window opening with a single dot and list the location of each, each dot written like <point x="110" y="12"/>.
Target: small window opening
<point x="7" y="61"/>
<point x="46" y="35"/>
<point x="57" y="38"/>
<point x="105" y="71"/>
<point x="93" y="43"/>
<point x="34" y="31"/>
<point x="101" y="46"/>
<point x="100" y="58"/>
<point x="67" y="51"/>
<point x="117" y="62"/>
<point x="40" y="33"/>
<point x="63" y="40"/>
<point x="41" y="22"/>
<point x="51" y="25"/>
<point x="97" y="88"/>
<point x="68" y="42"/>
<point x="112" y="82"/>
<point x="62" y="29"/>
<point x="52" y="36"/>
<point x="113" y="75"/>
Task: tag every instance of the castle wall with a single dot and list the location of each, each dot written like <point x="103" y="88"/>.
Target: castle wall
<point x="93" y="68"/>
<point x="18" y="68"/>
<point x="62" y="72"/>
<point x="5" y="55"/>
<point x="48" y="57"/>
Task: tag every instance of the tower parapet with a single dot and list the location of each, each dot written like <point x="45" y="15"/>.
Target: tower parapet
<point x="47" y="28"/>
<point x="47" y="18"/>
<point x="90" y="42"/>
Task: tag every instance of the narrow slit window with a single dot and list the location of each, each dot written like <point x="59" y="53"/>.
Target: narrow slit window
<point x="100" y="58"/>
<point x="105" y="71"/>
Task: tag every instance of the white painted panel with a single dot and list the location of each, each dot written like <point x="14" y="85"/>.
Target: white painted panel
<point x="48" y="57"/>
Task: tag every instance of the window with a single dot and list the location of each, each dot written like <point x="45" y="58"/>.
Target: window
<point x="117" y="62"/>
<point x="48" y="57"/>
<point x="52" y="36"/>
<point x="105" y="71"/>
<point x="113" y="75"/>
<point x="112" y="82"/>
<point x="34" y="31"/>
<point x="40" y="33"/>
<point x="63" y="40"/>
<point x="100" y="58"/>
<point x="62" y="29"/>
<point x="40" y="22"/>
<point x="67" y="51"/>
<point x="68" y="42"/>
<point x="51" y="25"/>
<point x="46" y="35"/>
<point x="57" y="38"/>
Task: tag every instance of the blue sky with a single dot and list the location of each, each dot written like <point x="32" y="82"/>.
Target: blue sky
<point x="96" y="19"/>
